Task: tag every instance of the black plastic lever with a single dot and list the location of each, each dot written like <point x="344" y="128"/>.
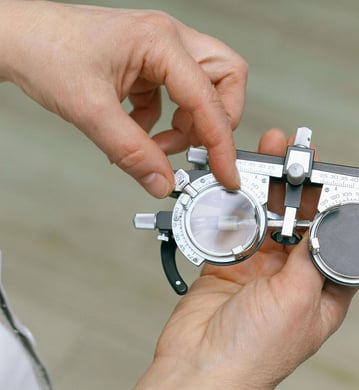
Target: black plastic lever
<point x="168" y="256"/>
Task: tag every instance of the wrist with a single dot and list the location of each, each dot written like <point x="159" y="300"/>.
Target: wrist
<point x="174" y="375"/>
<point x="171" y="374"/>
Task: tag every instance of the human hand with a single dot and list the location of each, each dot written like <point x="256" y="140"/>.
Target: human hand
<point x="81" y="62"/>
<point x="249" y="325"/>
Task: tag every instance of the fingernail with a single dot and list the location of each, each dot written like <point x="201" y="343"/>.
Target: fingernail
<point x="156" y="184"/>
<point x="237" y="178"/>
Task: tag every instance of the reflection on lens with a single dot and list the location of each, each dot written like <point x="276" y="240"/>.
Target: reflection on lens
<point x="222" y="220"/>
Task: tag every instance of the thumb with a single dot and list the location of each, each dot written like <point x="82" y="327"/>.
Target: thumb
<point x="126" y="144"/>
<point x="300" y="271"/>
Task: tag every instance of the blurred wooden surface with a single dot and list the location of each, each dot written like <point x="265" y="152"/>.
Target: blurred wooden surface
<point x="91" y="287"/>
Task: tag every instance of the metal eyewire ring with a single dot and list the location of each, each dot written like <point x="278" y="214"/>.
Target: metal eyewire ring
<point x="217" y="225"/>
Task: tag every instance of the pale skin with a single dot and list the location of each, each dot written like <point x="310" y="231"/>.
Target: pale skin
<point x="81" y="62"/>
<point x="249" y="325"/>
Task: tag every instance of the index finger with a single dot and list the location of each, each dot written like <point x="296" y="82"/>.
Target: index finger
<point x="191" y="88"/>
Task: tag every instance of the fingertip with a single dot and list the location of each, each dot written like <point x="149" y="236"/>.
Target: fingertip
<point x="273" y="142"/>
<point x="171" y="141"/>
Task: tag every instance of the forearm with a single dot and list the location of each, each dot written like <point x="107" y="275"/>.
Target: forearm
<point x="20" y="38"/>
<point x="12" y="28"/>
<point x="5" y="39"/>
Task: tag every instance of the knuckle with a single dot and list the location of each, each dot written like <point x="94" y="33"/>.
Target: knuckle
<point x="159" y="23"/>
<point x="239" y="74"/>
<point x="233" y="119"/>
<point x="243" y="67"/>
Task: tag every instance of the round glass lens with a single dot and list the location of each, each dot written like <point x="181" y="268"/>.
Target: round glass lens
<point x="221" y="221"/>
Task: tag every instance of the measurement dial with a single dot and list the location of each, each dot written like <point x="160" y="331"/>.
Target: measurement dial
<point x="261" y="168"/>
<point x="213" y="224"/>
<point x="334" y="195"/>
<point x="334" y="179"/>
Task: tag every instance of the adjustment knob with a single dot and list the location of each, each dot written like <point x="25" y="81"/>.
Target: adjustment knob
<point x="295" y="174"/>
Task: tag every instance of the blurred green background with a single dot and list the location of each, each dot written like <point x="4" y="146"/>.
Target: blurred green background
<point x="87" y="283"/>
